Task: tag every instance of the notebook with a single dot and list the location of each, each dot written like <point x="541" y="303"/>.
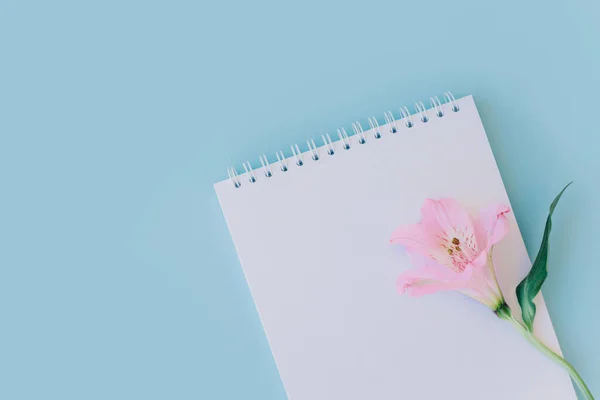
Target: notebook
<point x="312" y="233"/>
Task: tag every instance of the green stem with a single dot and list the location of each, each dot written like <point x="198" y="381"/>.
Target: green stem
<point x="493" y="273"/>
<point x="504" y="313"/>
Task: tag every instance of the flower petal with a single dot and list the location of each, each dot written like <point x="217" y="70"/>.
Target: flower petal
<point x="445" y="216"/>
<point x="483" y="285"/>
<point x="447" y="223"/>
<point x="492" y="225"/>
<point x="414" y="238"/>
<point x="420" y="261"/>
<point x="430" y="279"/>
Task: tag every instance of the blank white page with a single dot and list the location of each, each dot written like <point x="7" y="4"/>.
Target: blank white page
<point x="314" y="246"/>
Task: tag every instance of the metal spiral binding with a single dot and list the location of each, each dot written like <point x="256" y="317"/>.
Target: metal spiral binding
<point x="374" y="127"/>
<point x="389" y="120"/>
<point x="358" y="130"/>
<point x="405" y="115"/>
<point x="344" y="139"/>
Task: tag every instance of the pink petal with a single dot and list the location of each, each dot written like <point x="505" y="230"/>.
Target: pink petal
<point x="445" y="216"/>
<point x="445" y="220"/>
<point x="492" y="225"/>
<point x="420" y="261"/>
<point x="481" y="259"/>
<point x="482" y="285"/>
<point x="414" y="238"/>
<point x="430" y="279"/>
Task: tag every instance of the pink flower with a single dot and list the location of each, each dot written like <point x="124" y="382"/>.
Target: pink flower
<point x="452" y="251"/>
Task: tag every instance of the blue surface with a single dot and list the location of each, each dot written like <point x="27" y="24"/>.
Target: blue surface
<point x="118" y="277"/>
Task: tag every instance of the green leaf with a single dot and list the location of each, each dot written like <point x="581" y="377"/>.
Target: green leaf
<point x="531" y="285"/>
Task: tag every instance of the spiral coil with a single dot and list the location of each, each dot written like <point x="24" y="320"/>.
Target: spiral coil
<point x="344" y="139"/>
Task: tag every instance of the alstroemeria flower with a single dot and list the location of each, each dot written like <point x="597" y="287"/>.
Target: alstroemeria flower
<point x="452" y="251"/>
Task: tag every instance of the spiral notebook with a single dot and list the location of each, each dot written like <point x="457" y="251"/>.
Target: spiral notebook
<point x="312" y="233"/>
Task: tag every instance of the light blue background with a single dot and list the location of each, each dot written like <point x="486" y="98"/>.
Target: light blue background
<point x="118" y="277"/>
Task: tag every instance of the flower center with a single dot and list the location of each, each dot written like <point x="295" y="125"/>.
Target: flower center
<point x="461" y="250"/>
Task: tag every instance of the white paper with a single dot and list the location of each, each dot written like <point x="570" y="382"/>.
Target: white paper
<point x="314" y="246"/>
